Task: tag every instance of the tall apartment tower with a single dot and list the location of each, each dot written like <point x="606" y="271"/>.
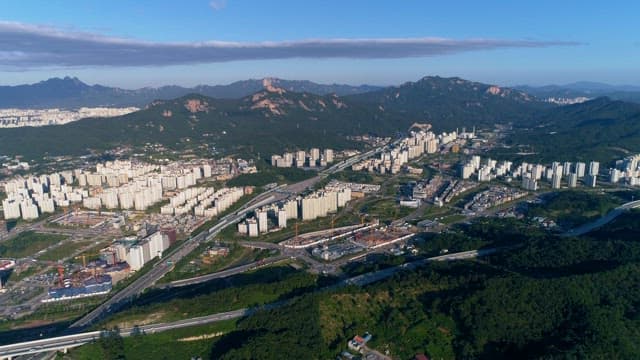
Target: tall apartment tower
<point x="594" y="168"/>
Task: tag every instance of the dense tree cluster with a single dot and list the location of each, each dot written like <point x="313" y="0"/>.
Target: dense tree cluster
<point x="548" y="298"/>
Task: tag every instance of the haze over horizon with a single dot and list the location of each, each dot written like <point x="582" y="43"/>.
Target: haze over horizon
<point x="215" y="42"/>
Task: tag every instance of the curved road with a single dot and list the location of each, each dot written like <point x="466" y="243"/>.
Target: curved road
<point x="73" y="340"/>
<point x="585" y="228"/>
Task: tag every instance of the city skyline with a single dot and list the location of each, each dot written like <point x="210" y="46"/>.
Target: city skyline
<point x="218" y="42"/>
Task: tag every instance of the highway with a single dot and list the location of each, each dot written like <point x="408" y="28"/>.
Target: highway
<point x="371" y="277"/>
<point x="585" y="228"/>
<point x="224" y="273"/>
<point x="354" y="159"/>
<point x="61" y="343"/>
<point x="161" y="268"/>
<point x="140" y="284"/>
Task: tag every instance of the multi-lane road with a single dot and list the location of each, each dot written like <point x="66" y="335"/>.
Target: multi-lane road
<point x="162" y="268"/>
<point x="61" y="343"/>
<point x="225" y="273"/>
<point x="607" y="218"/>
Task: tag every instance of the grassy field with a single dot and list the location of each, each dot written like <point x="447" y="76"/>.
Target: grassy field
<point x="186" y="343"/>
<point x="384" y="209"/>
<point x="574" y="207"/>
<point x="55" y="312"/>
<point x="64" y="250"/>
<point x="244" y="290"/>
<point x="28" y="243"/>
<point x="196" y="263"/>
<point x="32" y="269"/>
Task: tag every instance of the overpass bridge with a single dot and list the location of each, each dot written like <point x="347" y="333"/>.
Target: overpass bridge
<point x="64" y="343"/>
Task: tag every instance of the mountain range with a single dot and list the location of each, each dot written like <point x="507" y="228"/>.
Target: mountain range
<point x="70" y="92"/>
<point x="275" y="119"/>
<point x="454" y="102"/>
<point x="585" y="89"/>
<point x="602" y="129"/>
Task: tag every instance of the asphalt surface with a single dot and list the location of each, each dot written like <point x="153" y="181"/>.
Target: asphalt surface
<point x="607" y="218"/>
<point x="224" y="273"/>
<point x="161" y="268"/>
<point x="68" y="341"/>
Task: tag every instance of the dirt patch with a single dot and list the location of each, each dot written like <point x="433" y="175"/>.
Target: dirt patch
<point x="202" y="337"/>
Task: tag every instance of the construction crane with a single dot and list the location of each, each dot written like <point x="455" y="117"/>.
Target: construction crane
<point x="60" y="275"/>
<point x="84" y="258"/>
<point x="84" y="262"/>
<point x="333" y="221"/>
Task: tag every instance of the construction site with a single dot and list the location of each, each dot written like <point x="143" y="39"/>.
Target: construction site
<point x="92" y="279"/>
<point x="335" y="243"/>
<point x="86" y="219"/>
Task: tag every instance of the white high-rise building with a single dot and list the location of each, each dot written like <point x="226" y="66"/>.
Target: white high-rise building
<point x="529" y="183"/>
<point x="555" y="181"/>
<point x="431" y="146"/>
<point x="262" y="221"/>
<point x="135" y="258"/>
<point x="206" y="170"/>
<point x="466" y="171"/>
<point x="594" y="168"/>
<point x="11" y="209"/>
<point x="252" y="227"/>
<point x="300" y="158"/>
<point x="580" y="169"/>
<point x="46" y="205"/>
<point x="328" y="155"/>
<point x="282" y="218"/>
<point x="314" y="156"/>
<point x="614" y="176"/>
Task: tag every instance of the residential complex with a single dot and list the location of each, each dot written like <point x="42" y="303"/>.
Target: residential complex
<point x="531" y="174"/>
<point x="113" y="185"/>
<point x="317" y="204"/>
<point x="414" y="146"/>
<point x="11" y="118"/>
<point x="301" y="158"/>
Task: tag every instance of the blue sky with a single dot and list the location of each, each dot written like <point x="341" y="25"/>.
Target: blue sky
<point x="503" y="42"/>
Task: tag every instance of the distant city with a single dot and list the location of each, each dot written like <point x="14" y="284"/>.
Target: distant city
<point x="12" y="118"/>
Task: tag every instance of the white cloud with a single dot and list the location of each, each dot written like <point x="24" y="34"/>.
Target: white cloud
<point x="26" y="46"/>
<point x="217" y="5"/>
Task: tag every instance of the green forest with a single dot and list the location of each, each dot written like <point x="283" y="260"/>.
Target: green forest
<point x="550" y="298"/>
<point x="542" y="297"/>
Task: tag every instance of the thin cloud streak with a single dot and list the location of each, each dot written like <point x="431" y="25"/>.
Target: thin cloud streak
<point x="25" y="46"/>
<point x="217" y="5"/>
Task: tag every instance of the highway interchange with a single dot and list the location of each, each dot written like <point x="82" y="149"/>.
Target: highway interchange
<point x="161" y="268"/>
<point x="62" y="343"/>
